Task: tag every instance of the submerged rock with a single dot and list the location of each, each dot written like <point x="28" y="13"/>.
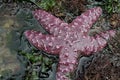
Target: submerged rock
<point x="9" y="62"/>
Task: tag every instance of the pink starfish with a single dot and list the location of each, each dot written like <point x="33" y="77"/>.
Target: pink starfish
<point x="68" y="40"/>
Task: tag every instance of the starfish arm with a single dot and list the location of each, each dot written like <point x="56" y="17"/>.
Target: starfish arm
<point x="98" y="42"/>
<point x="43" y="42"/>
<point x="49" y="22"/>
<point x="85" y="21"/>
<point x="67" y="64"/>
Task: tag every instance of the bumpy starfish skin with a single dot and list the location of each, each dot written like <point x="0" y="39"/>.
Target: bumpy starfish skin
<point x="68" y="40"/>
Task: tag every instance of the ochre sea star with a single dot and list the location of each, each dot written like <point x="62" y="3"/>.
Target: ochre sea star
<point x="67" y="40"/>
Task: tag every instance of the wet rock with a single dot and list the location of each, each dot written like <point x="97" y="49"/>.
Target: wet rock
<point x="84" y="63"/>
<point x="9" y="62"/>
